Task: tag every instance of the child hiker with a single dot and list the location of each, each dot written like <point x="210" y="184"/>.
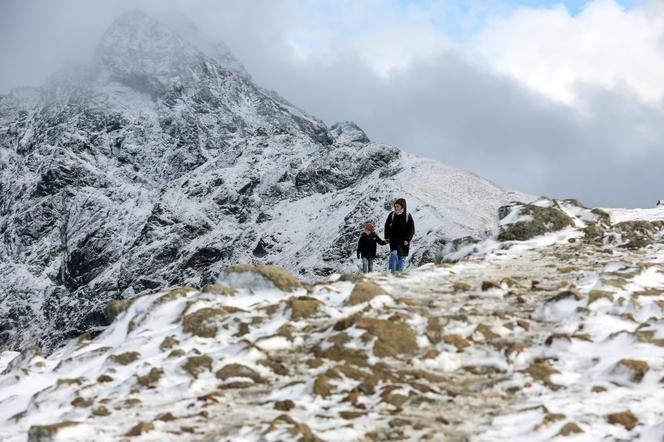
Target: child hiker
<point x="366" y="247"/>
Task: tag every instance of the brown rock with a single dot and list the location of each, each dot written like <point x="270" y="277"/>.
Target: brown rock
<point x="488" y="285"/>
<point x="297" y="430"/>
<point x="351" y="277"/>
<point x="350" y="415"/>
<point x="237" y="385"/>
<point x="461" y="287"/>
<point x="596" y="295"/>
<point x="125" y="358"/>
<point x="542" y="372"/>
<point x="431" y="354"/>
<point x="341" y="353"/>
<point x="486" y="331"/>
<point x="67" y="382"/>
<point x="195" y="365"/>
<point x="239" y="370"/>
<point x="168" y="343"/>
<point x="127" y="403"/>
<point x="345" y="323"/>
<point x="177" y="353"/>
<point x="287" y="331"/>
<point x="151" y="378"/>
<point x="101" y="411"/>
<point x="569" y="429"/>
<point x="303" y="307"/>
<point x="219" y="290"/>
<point x="549" y="418"/>
<point x="210" y="397"/>
<point x="625" y="418"/>
<point x="457" y="341"/>
<point x="399" y="422"/>
<point x="286" y="405"/>
<point x="434" y="331"/>
<point x="276" y="365"/>
<point x="80" y="402"/>
<point x="203" y="322"/>
<point x="180" y="292"/>
<point x="281" y="279"/>
<point x="394" y="337"/>
<point x="364" y="292"/>
<point x="523" y="324"/>
<point x="322" y="386"/>
<point x="104" y="378"/>
<point x="315" y="362"/>
<point x="394" y="399"/>
<point x="116" y="307"/>
<point x="39" y="433"/>
<point x="166" y="417"/>
<point x="566" y="294"/>
<point x="553" y="337"/>
<point x="242" y="329"/>
<point x="511" y="283"/>
<point x="514" y="349"/>
<point x="638" y="368"/>
<point x="140" y="428"/>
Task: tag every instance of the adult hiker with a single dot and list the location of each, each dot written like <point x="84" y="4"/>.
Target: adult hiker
<point x="399" y="231"/>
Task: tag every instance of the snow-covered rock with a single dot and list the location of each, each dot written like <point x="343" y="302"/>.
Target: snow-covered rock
<point x="543" y="338"/>
<point x="160" y="162"/>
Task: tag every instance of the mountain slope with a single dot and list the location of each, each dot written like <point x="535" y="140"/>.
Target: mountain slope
<point x="561" y="335"/>
<point x="160" y="162"/>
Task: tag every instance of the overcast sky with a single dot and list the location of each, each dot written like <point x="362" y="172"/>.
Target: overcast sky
<point x="556" y="98"/>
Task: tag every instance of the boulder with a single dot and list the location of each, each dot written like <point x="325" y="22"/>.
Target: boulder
<point x="276" y="275"/>
<point x="521" y="222"/>
<point x="195" y="365"/>
<point x="303" y="307"/>
<point x="364" y="292"/>
<point x="624" y="418"/>
<point x="394" y="338"/>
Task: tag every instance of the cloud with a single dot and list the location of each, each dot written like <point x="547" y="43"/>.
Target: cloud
<point x="605" y="44"/>
<point x="509" y="93"/>
<point x="448" y="109"/>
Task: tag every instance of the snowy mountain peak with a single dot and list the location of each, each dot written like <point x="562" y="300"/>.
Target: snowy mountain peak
<point x="165" y="163"/>
<point x="137" y="44"/>
<point x="217" y="50"/>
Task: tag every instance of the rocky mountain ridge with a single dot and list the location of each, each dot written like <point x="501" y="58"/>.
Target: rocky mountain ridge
<point x="552" y="337"/>
<point x="160" y="162"/>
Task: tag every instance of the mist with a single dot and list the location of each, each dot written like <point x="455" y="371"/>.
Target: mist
<point x="430" y="97"/>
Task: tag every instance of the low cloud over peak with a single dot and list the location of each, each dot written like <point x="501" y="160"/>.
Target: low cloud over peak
<point x="548" y="100"/>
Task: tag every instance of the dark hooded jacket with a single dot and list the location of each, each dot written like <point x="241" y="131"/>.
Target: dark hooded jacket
<point x="366" y="246"/>
<point x="400" y="228"/>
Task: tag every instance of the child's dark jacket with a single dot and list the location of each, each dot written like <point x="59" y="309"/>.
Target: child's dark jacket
<point x="366" y="246"/>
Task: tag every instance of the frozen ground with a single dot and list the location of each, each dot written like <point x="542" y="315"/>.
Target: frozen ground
<point x="552" y="338"/>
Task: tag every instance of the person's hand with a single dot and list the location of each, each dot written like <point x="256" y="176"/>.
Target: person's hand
<point x="405" y="243"/>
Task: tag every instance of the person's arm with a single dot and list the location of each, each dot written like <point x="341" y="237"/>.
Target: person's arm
<point x="387" y="228"/>
<point x="411" y="228"/>
<point x="359" y="244"/>
<point x="380" y="241"/>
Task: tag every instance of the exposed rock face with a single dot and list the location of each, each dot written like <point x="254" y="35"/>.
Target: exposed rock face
<point x="160" y="163"/>
<point x="521" y="222"/>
